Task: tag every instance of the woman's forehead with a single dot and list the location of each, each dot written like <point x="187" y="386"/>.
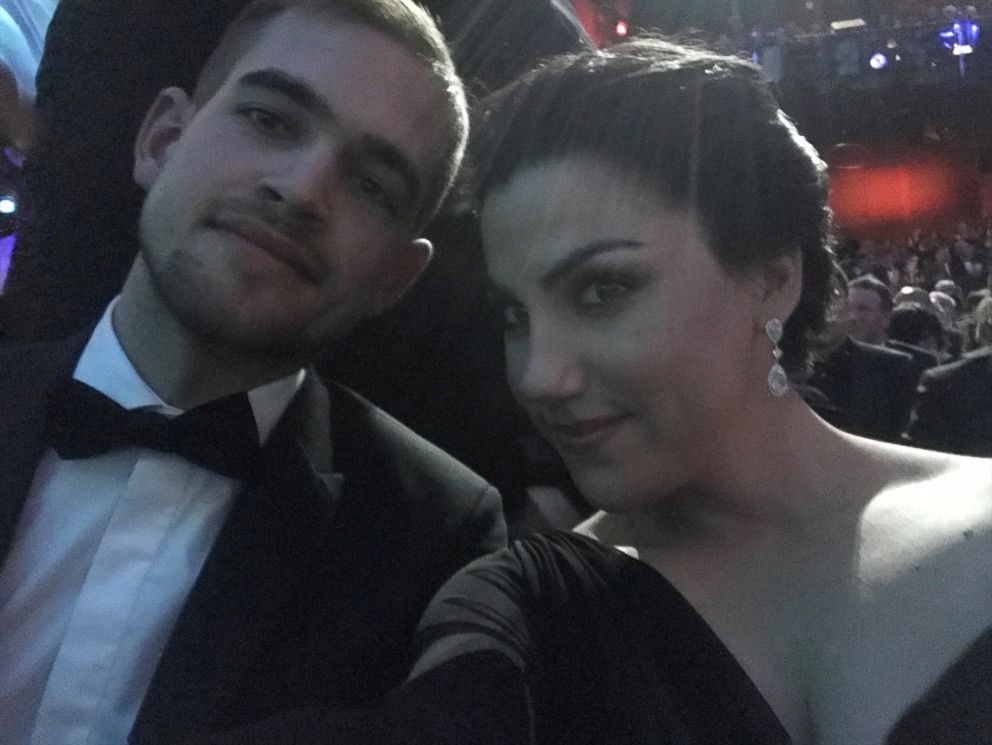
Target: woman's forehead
<point x="577" y="192"/>
<point x="550" y="211"/>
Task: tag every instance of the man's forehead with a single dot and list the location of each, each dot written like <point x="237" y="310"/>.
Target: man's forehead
<point x="314" y="42"/>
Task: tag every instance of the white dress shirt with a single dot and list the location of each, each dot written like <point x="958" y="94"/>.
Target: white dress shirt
<point x="105" y="553"/>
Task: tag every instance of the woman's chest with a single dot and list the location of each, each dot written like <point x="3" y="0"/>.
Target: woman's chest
<point x="841" y="655"/>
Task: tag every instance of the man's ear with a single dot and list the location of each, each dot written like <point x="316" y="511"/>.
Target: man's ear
<point x="781" y="285"/>
<point x="401" y="269"/>
<point x="163" y="124"/>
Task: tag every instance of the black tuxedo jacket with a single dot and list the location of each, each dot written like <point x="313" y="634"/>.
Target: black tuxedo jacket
<point x="954" y="406"/>
<point x="321" y="571"/>
<point x="869" y="389"/>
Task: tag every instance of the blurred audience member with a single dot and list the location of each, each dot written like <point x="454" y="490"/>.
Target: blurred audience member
<point x="953" y="410"/>
<point x="965" y="268"/>
<point x="869" y="304"/>
<point x="869" y="388"/>
<point x="911" y="294"/>
<point x="917" y="326"/>
<point x="948" y="287"/>
<point x="983" y="323"/>
<point x="945" y="307"/>
<point x="22" y="34"/>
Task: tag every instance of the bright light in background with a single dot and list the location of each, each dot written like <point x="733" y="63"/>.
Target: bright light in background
<point x="621" y="28"/>
<point x="878" y="61"/>
<point x="8" y="206"/>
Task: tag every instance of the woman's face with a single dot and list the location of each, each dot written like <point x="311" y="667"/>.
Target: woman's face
<point x="632" y="350"/>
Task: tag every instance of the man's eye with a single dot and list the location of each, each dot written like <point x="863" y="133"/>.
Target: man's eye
<point x="267" y="121"/>
<point x="377" y="193"/>
<point x="600" y="293"/>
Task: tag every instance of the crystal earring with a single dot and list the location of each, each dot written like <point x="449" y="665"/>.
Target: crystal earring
<point x="778" y="382"/>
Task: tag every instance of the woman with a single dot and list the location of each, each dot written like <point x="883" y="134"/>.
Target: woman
<point x="657" y="239"/>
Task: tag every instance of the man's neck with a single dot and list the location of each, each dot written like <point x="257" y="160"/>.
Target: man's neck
<point x="183" y="370"/>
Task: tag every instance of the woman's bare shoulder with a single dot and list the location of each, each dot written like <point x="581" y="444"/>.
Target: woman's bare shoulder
<point x="920" y="592"/>
<point x="934" y="503"/>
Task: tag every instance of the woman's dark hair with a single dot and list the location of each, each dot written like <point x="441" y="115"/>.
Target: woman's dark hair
<point x="701" y="128"/>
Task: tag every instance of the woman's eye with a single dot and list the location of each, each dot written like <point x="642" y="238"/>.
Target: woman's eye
<point x="600" y="293"/>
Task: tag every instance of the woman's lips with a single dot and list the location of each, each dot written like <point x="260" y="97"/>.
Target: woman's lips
<point x="582" y="434"/>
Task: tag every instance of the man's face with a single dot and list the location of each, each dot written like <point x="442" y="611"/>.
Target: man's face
<point x="869" y="320"/>
<point x="281" y="211"/>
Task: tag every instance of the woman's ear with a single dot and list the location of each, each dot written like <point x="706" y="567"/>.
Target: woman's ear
<point x="781" y="284"/>
<point x="164" y="123"/>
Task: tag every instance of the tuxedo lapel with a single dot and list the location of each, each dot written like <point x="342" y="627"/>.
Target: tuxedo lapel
<point x="26" y="373"/>
<point x="261" y="554"/>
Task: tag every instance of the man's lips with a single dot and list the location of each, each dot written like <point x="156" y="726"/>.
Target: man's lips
<point x="270" y="240"/>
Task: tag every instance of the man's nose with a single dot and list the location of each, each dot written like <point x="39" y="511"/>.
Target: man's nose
<point x="305" y="182"/>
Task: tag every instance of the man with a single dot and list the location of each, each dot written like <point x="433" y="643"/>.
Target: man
<point x="868" y="389"/>
<point x="103" y="64"/>
<point x="427" y="361"/>
<point x="152" y="591"/>
<point x="869" y="305"/>
<point x="953" y="409"/>
<point x="954" y="406"/>
<point x="916" y="328"/>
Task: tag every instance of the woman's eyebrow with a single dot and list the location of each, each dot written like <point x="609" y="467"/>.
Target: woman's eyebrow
<point x="582" y="254"/>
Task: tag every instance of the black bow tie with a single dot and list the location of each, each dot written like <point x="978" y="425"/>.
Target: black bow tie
<point x="220" y="435"/>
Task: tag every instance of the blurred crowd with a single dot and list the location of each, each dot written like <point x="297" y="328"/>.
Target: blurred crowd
<point x="907" y="356"/>
<point x="945" y="272"/>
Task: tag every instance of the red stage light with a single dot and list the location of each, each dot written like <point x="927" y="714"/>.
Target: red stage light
<point x="621" y="28"/>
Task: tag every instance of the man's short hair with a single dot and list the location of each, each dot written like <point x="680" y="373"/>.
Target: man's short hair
<point x="403" y="21"/>
<point x="913" y="324"/>
<point x="873" y="283"/>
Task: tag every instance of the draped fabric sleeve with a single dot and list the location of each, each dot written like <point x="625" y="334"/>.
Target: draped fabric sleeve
<point x="468" y="686"/>
<point x="476" y="698"/>
<point x="555" y="640"/>
<point x="482" y="608"/>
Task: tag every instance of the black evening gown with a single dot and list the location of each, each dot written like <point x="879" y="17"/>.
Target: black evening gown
<point x="558" y="639"/>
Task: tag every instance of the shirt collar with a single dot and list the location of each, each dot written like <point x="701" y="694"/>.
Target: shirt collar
<point x="104" y="366"/>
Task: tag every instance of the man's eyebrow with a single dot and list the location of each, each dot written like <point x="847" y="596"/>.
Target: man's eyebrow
<point x="583" y="254"/>
<point x="291" y="87"/>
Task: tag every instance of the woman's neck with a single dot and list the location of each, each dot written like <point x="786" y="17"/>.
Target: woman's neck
<point x="779" y="468"/>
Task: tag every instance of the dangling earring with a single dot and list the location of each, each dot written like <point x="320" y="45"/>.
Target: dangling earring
<point x="778" y="382"/>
